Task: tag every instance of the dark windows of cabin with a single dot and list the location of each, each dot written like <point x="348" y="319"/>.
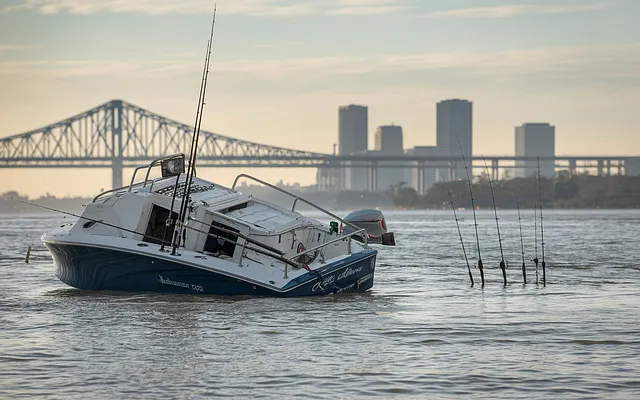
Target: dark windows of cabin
<point x="157" y="225"/>
<point x="215" y="241"/>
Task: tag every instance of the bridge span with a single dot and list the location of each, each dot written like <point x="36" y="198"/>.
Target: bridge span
<point x="120" y="135"/>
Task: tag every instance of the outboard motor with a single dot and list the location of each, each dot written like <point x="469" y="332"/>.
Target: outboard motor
<point x="373" y="222"/>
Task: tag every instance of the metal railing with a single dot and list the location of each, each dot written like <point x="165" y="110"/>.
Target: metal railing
<point x="123" y="189"/>
<point x="298" y="198"/>
<point x="132" y="185"/>
<point x="153" y="163"/>
<point x="339" y="238"/>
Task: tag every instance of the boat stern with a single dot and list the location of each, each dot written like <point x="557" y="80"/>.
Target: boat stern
<point x="354" y="273"/>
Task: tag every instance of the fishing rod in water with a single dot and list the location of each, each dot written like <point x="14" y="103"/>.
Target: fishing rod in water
<point x="535" y="234"/>
<point x="455" y="215"/>
<point x="524" y="267"/>
<point x="473" y="208"/>
<point x="503" y="266"/>
<point x="544" y="273"/>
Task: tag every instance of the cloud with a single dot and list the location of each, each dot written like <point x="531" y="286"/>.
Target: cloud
<point x="570" y="63"/>
<point x="520" y="9"/>
<point x="279" y="8"/>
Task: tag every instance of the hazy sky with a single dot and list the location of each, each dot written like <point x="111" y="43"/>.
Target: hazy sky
<point x="281" y="68"/>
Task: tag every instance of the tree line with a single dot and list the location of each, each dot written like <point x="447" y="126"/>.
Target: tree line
<point x="577" y="191"/>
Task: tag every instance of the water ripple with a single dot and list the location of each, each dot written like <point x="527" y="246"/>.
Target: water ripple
<point x="423" y="332"/>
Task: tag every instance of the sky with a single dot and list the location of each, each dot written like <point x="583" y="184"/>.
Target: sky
<point x="281" y="68"/>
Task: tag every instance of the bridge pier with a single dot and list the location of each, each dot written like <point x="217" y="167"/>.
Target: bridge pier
<point x="495" y="170"/>
<point x="600" y="167"/>
<point x="373" y="177"/>
<point x="116" y="144"/>
<point x="573" y="167"/>
<point x="421" y="178"/>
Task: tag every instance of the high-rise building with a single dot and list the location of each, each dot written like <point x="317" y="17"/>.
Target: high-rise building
<point x="388" y="141"/>
<point x="455" y="124"/>
<point x="352" y="139"/>
<point x="535" y="140"/>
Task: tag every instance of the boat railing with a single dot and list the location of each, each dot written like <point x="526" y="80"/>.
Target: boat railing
<point x="298" y="198"/>
<point x="153" y="163"/>
<point x="325" y="244"/>
<point x="143" y="184"/>
<point x="298" y="257"/>
<point x="120" y="189"/>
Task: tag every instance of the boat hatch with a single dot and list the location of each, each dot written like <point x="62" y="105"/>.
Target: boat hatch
<point x="157" y="225"/>
<point x="231" y="209"/>
<point x="215" y="245"/>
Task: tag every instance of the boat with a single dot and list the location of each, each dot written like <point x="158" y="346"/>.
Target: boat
<point x="231" y="243"/>
<point x="178" y="233"/>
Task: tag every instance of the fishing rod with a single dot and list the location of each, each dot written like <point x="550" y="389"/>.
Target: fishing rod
<point x="171" y="222"/>
<point x="278" y="254"/>
<point x="473" y="208"/>
<point x="495" y="210"/>
<point x="524" y="268"/>
<point x="455" y="215"/>
<point x="183" y="205"/>
<point x="195" y="139"/>
<point x="544" y="274"/>
<point x="535" y="233"/>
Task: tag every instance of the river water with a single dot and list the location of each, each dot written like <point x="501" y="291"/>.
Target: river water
<point x="422" y="332"/>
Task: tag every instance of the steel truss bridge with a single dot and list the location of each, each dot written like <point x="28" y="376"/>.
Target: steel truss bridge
<point x="120" y="135"/>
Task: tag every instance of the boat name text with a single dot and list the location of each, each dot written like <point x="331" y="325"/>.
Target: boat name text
<point x="167" y="281"/>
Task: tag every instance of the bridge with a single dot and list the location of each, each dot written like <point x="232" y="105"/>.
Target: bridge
<point x="120" y="135"/>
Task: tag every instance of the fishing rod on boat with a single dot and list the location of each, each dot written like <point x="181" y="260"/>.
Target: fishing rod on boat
<point x="503" y="267"/>
<point x="170" y="225"/>
<point x="195" y="139"/>
<point x="455" y="215"/>
<point x="544" y="274"/>
<point x="278" y="256"/>
<point x="524" y="268"/>
<point x="535" y="234"/>
<point x="473" y="208"/>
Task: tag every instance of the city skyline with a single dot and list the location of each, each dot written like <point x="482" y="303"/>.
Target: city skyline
<point x="278" y="73"/>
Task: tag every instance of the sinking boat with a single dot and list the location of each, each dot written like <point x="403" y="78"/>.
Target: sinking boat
<point x="230" y="244"/>
<point x="181" y="234"/>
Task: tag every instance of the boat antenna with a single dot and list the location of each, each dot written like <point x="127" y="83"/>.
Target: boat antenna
<point x="535" y="233"/>
<point x="455" y="215"/>
<point x="524" y="267"/>
<point x="495" y="210"/>
<point x="544" y="277"/>
<point x="473" y="208"/>
<point x="194" y="141"/>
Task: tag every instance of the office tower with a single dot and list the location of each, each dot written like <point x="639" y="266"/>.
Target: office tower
<point x="388" y="141"/>
<point x="455" y="123"/>
<point x="535" y="140"/>
<point x="352" y="139"/>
